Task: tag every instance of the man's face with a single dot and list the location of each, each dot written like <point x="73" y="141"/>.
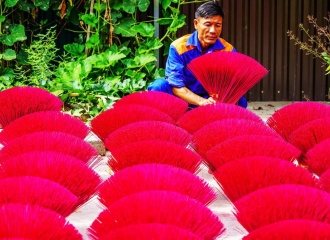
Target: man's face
<point x="209" y="29"/>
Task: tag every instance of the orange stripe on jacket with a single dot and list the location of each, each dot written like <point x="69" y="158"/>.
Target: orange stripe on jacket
<point x="181" y="47"/>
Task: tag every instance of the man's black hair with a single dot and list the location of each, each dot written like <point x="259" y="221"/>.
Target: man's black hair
<point x="209" y="9"/>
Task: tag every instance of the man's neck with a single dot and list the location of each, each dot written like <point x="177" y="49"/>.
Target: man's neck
<point x="204" y="47"/>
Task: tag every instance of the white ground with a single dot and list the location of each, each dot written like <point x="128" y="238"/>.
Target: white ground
<point x="85" y="215"/>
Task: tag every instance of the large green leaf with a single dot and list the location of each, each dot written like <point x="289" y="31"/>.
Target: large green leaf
<point x="124" y="28"/>
<point x="86" y="68"/>
<point x="10" y="3"/>
<point x="159" y="73"/>
<point x="22" y="57"/>
<point x="135" y="75"/>
<point x="100" y="7"/>
<point x="93" y="41"/>
<point x="109" y="82"/>
<point x="9" y="54"/>
<point x="2" y="18"/>
<point x="75" y="49"/>
<point x="113" y="48"/>
<point x="154" y="43"/>
<point x="130" y="6"/>
<point x="150" y="66"/>
<point x="130" y="63"/>
<point x="17" y="32"/>
<point x="43" y="4"/>
<point x="6" y="39"/>
<point x="105" y="59"/>
<point x="25" y="6"/>
<point x="71" y="74"/>
<point x="143" y="5"/>
<point x="174" y="10"/>
<point x="143" y="59"/>
<point x="145" y="29"/>
<point x="90" y="19"/>
<point x="124" y="48"/>
<point x="165" y="3"/>
<point x="178" y="22"/>
<point x="115" y="16"/>
<point x="7" y="75"/>
<point x="150" y="44"/>
<point x="139" y="60"/>
<point x="116" y="4"/>
<point x="113" y="57"/>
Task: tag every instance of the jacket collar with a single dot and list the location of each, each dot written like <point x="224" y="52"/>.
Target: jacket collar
<point x="193" y="41"/>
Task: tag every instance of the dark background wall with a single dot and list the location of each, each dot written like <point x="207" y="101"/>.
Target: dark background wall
<point x="259" y="28"/>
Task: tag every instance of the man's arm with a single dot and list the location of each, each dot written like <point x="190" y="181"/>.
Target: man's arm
<point x="190" y="97"/>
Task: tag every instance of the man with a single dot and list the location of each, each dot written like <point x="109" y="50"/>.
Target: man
<point x="178" y="79"/>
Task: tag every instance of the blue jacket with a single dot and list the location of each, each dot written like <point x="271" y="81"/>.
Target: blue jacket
<point x="181" y="52"/>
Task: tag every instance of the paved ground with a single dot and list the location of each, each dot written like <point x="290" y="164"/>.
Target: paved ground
<point x="83" y="217"/>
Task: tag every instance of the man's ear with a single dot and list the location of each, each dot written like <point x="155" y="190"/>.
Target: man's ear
<point x="195" y="23"/>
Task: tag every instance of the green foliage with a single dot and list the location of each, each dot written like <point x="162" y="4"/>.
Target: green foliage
<point x="318" y="44"/>
<point x="120" y="52"/>
<point x="326" y="58"/>
<point x="113" y="54"/>
<point x="39" y="58"/>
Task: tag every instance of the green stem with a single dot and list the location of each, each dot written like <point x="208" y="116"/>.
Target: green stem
<point x="1" y="12"/>
<point x="98" y="26"/>
<point x="176" y="15"/>
<point x="91" y="7"/>
<point x="309" y="36"/>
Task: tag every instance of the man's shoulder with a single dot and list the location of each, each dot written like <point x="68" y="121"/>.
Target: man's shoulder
<point x="227" y="45"/>
<point x="180" y="44"/>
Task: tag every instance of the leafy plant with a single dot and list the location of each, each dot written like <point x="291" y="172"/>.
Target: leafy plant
<point x="11" y="35"/>
<point x="119" y="50"/>
<point x="113" y="53"/>
<point x="18" y="26"/>
<point x="319" y="44"/>
<point x="37" y="61"/>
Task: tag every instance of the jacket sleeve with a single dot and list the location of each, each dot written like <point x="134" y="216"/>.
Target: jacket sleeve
<point x="174" y="72"/>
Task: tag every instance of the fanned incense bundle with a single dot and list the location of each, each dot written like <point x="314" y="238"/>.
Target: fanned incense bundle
<point x="227" y="76"/>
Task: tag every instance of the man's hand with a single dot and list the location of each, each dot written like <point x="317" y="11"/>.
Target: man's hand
<point x="207" y="101"/>
<point x="191" y="98"/>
